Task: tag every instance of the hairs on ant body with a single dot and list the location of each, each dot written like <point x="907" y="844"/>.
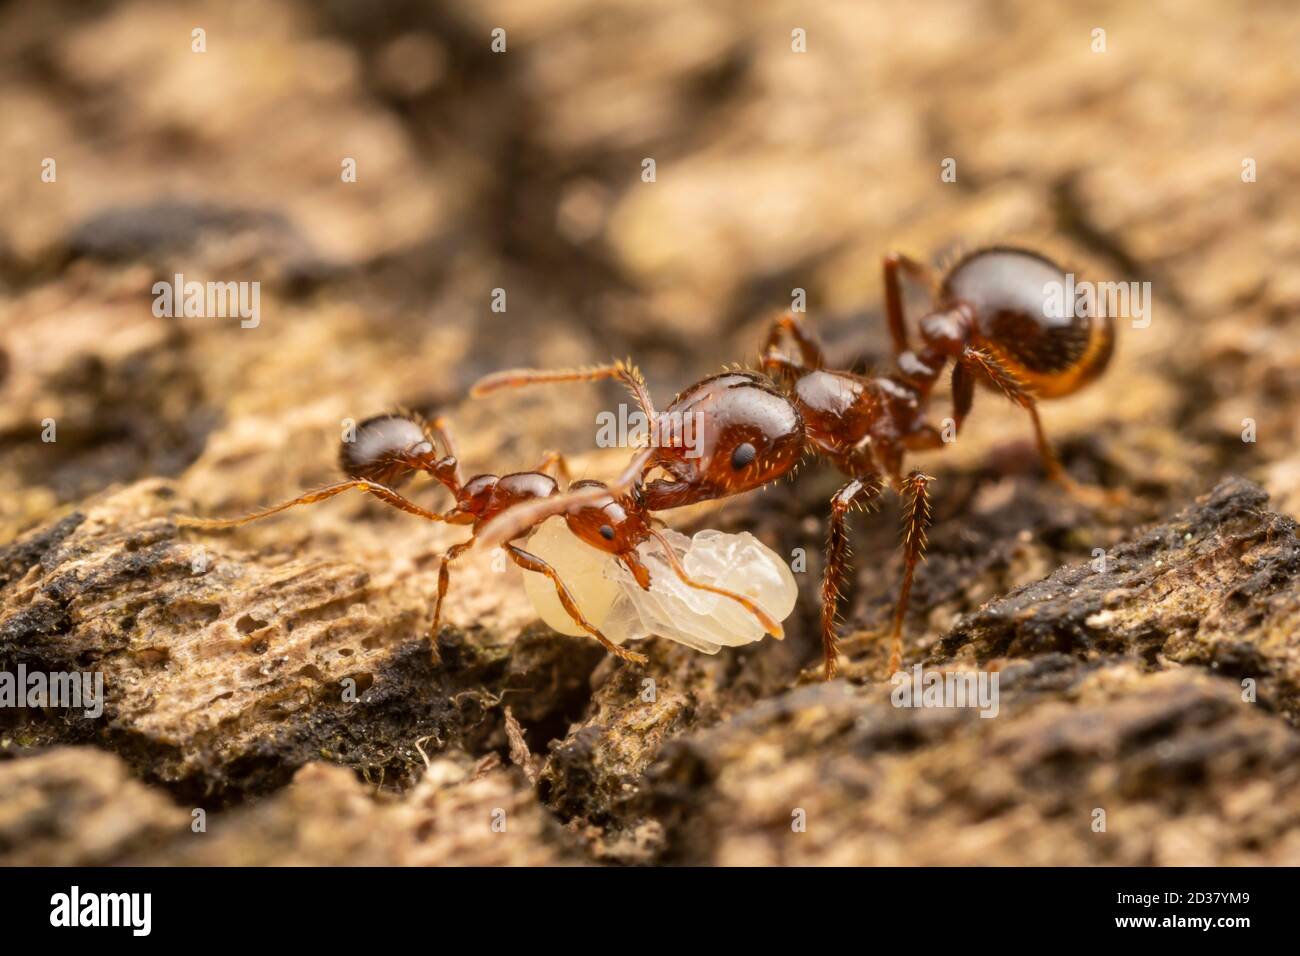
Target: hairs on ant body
<point x="988" y="318"/>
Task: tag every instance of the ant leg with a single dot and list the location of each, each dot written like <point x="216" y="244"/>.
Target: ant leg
<point x="441" y="427"/>
<point x="963" y="393"/>
<point x="382" y="492"/>
<point x="390" y="497"/>
<point x="1010" y="386"/>
<point x="531" y="562"/>
<point x="561" y="464"/>
<point x="809" y="348"/>
<point x="894" y="295"/>
<point x="624" y="371"/>
<point x="1089" y="495"/>
<point x="859" y="490"/>
<point x="914" y="525"/>
<point x="777" y="363"/>
<point x="634" y="381"/>
<point x="765" y="620"/>
<point x="444" y="578"/>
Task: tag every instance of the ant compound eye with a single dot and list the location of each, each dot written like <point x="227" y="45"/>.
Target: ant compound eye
<point x="607" y="532"/>
<point x="743" y="455"/>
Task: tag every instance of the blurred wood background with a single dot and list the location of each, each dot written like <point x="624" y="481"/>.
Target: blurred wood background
<point x="1153" y="143"/>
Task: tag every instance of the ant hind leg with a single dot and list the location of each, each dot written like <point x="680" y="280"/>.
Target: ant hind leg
<point x="981" y="361"/>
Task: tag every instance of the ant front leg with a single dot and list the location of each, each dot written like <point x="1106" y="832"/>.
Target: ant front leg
<point x="893" y="263"/>
<point x="382" y="492"/>
<point x="531" y="562"/>
<point x="1010" y="386"/>
<point x="858" y="491"/>
<point x="444" y="578"/>
<point x="916" y="487"/>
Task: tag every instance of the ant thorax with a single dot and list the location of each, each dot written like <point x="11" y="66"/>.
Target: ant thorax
<point x="609" y="597"/>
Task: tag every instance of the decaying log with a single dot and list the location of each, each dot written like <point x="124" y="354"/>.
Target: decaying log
<point x="281" y="678"/>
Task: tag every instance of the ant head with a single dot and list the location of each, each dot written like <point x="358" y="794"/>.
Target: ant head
<point x="385" y="449"/>
<point x="729" y="433"/>
<point x="610" y="524"/>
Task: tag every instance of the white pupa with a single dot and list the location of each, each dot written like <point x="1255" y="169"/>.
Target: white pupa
<point x="612" y="601"/>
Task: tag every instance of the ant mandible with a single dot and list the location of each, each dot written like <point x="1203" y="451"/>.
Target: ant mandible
<point x="389" y="449"/>
<point x="988" y="316"/>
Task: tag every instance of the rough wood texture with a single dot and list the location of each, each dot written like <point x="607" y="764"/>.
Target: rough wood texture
<point x="231" y="660"/>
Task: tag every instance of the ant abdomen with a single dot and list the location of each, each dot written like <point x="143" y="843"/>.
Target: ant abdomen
<point x="1025" y="312"/>
<point x="382" y="448"/>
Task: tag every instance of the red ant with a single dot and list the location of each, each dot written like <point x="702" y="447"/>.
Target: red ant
<point x="988" y="317"/>
<point x="389" y="449"/>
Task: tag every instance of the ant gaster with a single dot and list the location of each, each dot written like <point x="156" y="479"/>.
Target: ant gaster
<point x="389" y="449"/>
<point x="988" y="317"/>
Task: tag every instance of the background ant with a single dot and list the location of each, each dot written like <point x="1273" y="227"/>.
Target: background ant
<point x="988" y="316"/>
<point x="389" y="449"/>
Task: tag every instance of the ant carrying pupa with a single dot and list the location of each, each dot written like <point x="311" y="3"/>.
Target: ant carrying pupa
<point x="390" y="449"/>
<point x="613" y="601"/>
<point x="989" y="316"/>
